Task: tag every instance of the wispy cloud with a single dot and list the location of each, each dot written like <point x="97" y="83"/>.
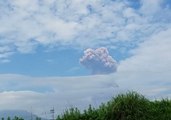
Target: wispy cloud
<point x="5" y="53"/>
<point x="86" y="24"/>
<point x="147" y="71"/>
<point x="78" y="23"/>
<point x="59" y="92"/>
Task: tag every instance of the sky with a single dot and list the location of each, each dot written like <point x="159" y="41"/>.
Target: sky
<point x="64" y="53"/>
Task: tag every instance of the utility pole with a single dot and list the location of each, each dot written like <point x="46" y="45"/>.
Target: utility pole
<point x="52" y="111"/>
<point x="31" y="114"/>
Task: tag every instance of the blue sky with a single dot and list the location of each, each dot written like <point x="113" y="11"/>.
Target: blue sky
<point x="64" y="62"/>
<point x="45" y="63"/>
<point x="82" y="48"/>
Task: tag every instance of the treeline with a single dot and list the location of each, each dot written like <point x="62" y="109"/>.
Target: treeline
<point x="17" y="118"/>
<point x="129" y="106"/>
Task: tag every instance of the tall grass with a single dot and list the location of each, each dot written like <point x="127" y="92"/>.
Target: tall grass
<point x="129" y="106"/>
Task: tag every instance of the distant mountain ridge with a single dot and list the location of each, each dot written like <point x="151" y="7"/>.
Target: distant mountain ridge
<point x="19" y="113"/>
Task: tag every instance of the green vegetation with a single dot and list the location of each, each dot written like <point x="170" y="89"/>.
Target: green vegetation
<point x="15" y="118"/>
<point x="129" y="106"/>
<point x="18" y="118"/>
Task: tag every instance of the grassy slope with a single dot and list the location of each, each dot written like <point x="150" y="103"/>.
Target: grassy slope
<point x="130" y="106"/>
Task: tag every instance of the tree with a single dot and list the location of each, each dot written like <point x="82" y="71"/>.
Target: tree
<point x="8" y="118"/>
<point x="38" y="118"/>
<point x="18" y="118"/>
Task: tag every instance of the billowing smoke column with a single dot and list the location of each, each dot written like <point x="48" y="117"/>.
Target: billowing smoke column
<point x="99" y="61"/>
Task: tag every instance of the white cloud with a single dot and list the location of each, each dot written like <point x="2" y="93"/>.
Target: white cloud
<point x="5" y="53"/>
<point x="146" y="71"/>
<point x="154" y="52"/>
<point x="151" y="7"/>
<point x="85" y="23"/>
<point x="36" y="92"/>
<point x="78" y="23"/>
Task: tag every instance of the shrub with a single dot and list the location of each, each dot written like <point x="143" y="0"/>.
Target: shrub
<point x="129" y="106"/>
